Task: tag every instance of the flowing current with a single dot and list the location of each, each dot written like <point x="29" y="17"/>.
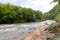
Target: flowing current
<point x="16" y="31"/>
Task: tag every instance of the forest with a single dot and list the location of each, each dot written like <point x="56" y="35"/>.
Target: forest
<point x="54" y="13"/>
<point x="17" y="14"/>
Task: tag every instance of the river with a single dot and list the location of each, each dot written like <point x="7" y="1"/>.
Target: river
<point x="15" y="31"/>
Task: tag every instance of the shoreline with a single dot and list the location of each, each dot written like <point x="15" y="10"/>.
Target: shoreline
<point x="38" y="32"/>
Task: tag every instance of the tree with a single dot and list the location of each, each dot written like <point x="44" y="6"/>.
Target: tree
<point x="16" y="14"/>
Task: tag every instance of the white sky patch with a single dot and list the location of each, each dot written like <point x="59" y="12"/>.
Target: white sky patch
<point x="43" y="5"/>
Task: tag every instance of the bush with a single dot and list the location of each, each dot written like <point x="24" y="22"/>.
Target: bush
<point x="58" y="18"/>
<point x="16" y="14"/>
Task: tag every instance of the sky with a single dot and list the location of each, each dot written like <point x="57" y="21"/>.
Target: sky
<point x="42" y="5"/>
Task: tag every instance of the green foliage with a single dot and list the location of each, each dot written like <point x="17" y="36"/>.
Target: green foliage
<point x="16" y="14"/>
<point x="58" y="18"/>
<point x="54" y="13"/>
<point x="56" y="0"/>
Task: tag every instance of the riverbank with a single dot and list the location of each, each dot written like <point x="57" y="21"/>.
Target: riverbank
<point x="45" y="32"/>
<point x="36" y="34"/>
<point x="16" y="31"/>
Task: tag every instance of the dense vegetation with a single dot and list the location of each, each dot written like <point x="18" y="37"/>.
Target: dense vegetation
<point x="16" y="14"/>
<point x="54" y="13"/>
<point x="54" y="29"/>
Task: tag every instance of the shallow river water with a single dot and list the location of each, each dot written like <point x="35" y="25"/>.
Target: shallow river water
<point x="15" y="31"/>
